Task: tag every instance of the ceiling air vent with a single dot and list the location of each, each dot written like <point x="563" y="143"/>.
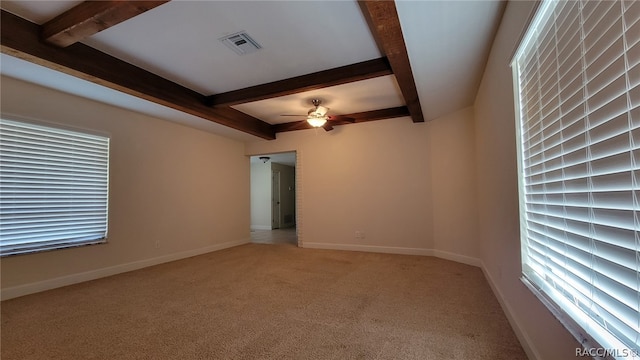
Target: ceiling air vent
<point x="241" y="43"/>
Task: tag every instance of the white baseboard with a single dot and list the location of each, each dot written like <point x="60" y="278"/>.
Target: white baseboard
<point x="260" y="227"/>
<point x="522" y="336"/>
<point x="397" y="250"/>
<point x="370" y="248"/>
<point x="26" y="289"/>
<point x="457" y="258"/>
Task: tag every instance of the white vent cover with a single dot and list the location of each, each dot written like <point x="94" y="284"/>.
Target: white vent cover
<point x="241" y="43"/>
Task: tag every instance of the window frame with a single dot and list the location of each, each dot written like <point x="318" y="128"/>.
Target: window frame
<point x="65" y="242"/>
<point x="586" y="330"/>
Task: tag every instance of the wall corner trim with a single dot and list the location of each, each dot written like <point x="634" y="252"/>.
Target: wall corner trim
<point x="32" y="288"/>
<point x="521" y="334"/>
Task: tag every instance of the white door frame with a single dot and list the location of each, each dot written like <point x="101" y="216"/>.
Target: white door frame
<point x="276" y="206"/>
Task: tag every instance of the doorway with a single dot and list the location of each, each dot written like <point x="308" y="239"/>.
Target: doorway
<point x="273" y="198"/>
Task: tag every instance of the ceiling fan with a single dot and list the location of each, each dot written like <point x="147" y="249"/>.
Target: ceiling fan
<point x="317" y="116"/>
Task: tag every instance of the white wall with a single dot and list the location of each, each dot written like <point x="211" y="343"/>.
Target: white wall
<point x="390" y="179"/>
<point x="261" y="196"/>
<point x="171" y="192"/>
<point x="453" y="181"/>
<point x="542" y="335"/>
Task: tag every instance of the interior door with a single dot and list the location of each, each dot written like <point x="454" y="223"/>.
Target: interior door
<point x="275" y="199"/>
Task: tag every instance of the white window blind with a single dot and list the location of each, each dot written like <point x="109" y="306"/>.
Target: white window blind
<point x="53" y="188"/>
<point x="578" y="83"/>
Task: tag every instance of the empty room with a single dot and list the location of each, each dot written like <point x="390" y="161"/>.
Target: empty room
<point x="320" y="179"/>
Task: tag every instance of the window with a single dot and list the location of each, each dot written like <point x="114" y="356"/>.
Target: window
<point x="577" y="77"/>
<point x="53" y="188"/>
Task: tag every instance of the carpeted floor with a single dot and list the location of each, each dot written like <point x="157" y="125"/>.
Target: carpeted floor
<point x="268" y="302"/>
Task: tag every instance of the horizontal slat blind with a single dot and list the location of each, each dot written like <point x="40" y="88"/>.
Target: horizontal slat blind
<point x="579" y="99"/>
<point x="53" y="188"/>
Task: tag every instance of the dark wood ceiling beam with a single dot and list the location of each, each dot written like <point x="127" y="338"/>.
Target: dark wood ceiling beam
<point x="381" y="114"/>
<point x="21" y="38"/>
<point x="292" y="126"/>
<point x="91" y="17"/>
<point x="318" y="80"/>
<point x="358" y="118"/>
<point x="382" y="17"/>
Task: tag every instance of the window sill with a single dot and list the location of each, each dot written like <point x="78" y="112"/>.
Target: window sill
<point x="54" y="248"/>
<point x="591" y="348"/>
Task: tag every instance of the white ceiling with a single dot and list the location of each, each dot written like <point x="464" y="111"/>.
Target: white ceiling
<point x="179" y="41"/>
<point x="447" y="42"/>
<point x="38" y="11"/>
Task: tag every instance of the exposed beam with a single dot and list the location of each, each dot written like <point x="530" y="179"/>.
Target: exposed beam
<point x="321" y="79"/>
<point x="292" y="126"/>
<point x="358" y="117"/>
<point x="382" y="17"/>
<point x="381" y="114"/>
<point x="21" y="38"/>
<point x="91" y="17"/>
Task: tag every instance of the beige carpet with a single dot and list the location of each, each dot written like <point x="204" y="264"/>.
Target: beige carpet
<point x="268" y="302"/>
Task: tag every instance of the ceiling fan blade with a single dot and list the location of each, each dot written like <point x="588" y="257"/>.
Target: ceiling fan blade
<point x="327" y="126"/>
<point x="321" y="110"/>
<point x="342" y="118"/>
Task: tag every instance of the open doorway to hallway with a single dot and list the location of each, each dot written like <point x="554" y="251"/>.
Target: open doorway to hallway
<point x="273" y="198"/>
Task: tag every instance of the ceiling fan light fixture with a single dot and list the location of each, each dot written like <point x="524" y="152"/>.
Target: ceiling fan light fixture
<point x="316" y="121"/>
